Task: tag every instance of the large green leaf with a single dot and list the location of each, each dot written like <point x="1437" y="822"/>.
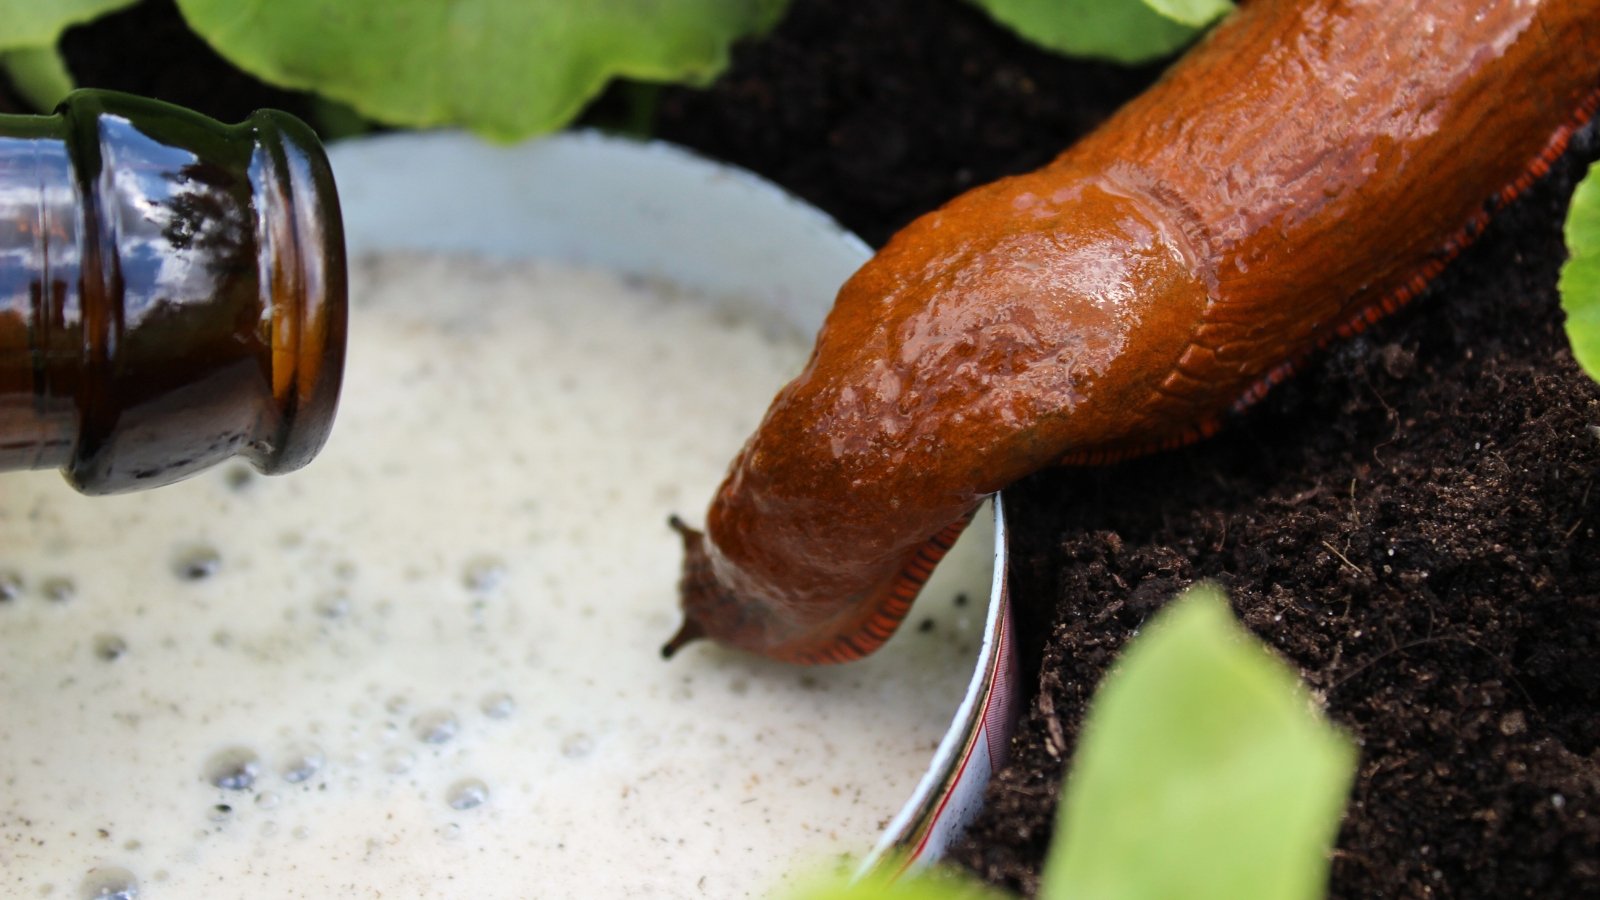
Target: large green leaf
<point x="505" y="68"/>
<point x="1203" y="772"/>
<point x="1580" y="276"/>
<point x="37" y="23"/>
<point x="1126" y="31"/>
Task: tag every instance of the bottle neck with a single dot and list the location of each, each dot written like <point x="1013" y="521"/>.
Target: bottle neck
<point x="41" y="308"/>
<point x="179" y="293"/>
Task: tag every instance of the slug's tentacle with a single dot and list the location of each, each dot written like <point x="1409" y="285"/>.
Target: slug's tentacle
<point x="1306" y="169"/>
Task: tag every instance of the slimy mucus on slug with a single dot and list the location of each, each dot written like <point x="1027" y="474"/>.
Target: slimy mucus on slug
<point x="1305" y="169"/>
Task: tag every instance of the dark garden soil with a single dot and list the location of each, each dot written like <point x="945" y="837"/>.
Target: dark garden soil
<point x="1412" y="520"/>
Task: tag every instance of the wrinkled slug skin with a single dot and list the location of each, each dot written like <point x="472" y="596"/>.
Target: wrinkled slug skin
<point x="1304" y="167"/>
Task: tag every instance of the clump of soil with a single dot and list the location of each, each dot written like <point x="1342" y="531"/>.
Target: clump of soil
<point x="1412" y="520"/>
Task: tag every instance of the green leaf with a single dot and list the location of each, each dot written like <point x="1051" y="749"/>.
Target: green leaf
<point x="1203" y="772"/>
<point x="38" y="23"/>
<point x="38" y="75"/>
<point x="932" y="884"/>
<point x="1580" y="276"/>
<point x="1195" y="13"/>
<point x="505" y="68"/>
<point x="1125" y="31"/>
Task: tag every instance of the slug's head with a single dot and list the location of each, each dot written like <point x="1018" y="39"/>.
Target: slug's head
<point x="710" y="609"/>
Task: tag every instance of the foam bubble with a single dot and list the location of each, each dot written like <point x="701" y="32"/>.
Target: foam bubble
<point x="10" y="585"/>
<point x="233" y="768"/>
<point x="468" y="793"/>
<point x="110" y="883"/>
<point x="577" y="745"/>
<point x="332" y="604"/>
<point x="497" y="705"/>
<point x="196" y="562"/>
<point x="58" y="588"/>
<point x="399" y="762"/>
<point x="436" y="726"/>
<point x="301" y="762"/>
<point x="110" y="647"/>
<point x="483" y="574"/>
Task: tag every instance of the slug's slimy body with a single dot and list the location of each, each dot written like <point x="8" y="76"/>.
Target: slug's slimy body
<point x="1303" y="170"/>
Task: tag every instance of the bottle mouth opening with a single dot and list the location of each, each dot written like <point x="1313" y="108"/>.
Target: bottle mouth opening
<point x="304" y="284"/>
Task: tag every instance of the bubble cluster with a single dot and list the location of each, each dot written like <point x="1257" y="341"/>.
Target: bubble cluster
<point x="468" y="793"/>
<point x="233" y="769"/>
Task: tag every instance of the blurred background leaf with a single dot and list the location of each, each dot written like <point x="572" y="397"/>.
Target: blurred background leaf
<point x="38" y="23"/>
<point x="506" y="69"/>
<point x="1124" y="31"/>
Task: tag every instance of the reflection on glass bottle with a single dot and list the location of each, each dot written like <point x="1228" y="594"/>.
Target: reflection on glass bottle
<point x="172" y="292"/>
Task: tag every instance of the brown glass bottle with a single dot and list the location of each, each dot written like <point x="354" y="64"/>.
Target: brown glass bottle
<point x="172" y="292"/>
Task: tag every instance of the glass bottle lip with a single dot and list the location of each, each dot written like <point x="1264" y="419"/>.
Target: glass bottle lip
<point x="304" y="282"/>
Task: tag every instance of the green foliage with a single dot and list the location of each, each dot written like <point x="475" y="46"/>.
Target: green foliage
<point x="504" y="68"/>
<point x="1125" y="31"/>
<point x="1202" y="772"/>
<point x="1195" y="13"/>
<point x="38" y="23"/>
<point x="1580" y="276"/>
<point x="38" y="75"/>
<point x="29" y="30"/>
<point x="934" y="884"/>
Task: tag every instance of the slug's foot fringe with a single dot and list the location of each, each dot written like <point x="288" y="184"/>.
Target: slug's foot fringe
<point x="696" y="571"/>
<point x="886" y="615"/>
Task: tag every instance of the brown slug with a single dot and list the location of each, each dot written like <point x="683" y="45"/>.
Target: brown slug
<point x="1304" y="169"/>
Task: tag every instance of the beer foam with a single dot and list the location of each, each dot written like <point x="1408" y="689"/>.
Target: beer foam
<point x="427" y="664"/>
